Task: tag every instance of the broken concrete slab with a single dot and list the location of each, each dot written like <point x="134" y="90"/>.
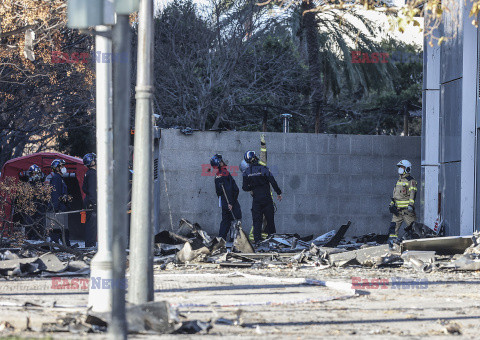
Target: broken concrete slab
<point x="441" y="245"/>
<point x="49" y="262"/>
<point x="12" y="264"/>
<point x="424" y="256"/>
<point x="365" y="255"/>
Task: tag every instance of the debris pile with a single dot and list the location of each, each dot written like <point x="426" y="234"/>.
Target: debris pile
<point x="21" y="263"/>
<point x="192" y="245"/>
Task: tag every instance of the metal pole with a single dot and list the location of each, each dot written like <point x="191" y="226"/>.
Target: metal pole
<point x="121" y="126"/>
<point x="100" y="300"/>
<point x="286" y="122"/>
<point x="140" y="289"/>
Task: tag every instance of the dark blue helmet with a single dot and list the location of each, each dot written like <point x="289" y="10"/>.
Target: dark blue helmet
<point x="34" y="168"/>
<point x="89" y="158"/>
<point x="56" y="163"/>
<point x="250" y="157"/>
<point x="34" y="172"/>
<point x="215" y="160"/>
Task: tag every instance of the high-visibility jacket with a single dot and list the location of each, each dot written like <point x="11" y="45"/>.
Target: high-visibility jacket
<point x="263" y="154"/>
<point x="405" y="191"/>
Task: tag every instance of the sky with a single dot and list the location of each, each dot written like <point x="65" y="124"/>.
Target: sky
<point x="411" y="34"/>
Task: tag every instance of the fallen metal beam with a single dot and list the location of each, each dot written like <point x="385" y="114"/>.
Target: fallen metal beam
<point x="450" y="245"/>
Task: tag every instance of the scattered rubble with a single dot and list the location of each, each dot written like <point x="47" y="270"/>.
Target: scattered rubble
<point x="191" y="246"/>
<point x="330" y="249"/>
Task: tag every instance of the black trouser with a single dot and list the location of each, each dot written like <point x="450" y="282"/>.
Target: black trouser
<point x="56" y="236"/>
<point x="91" y="229"/>
<point x="227" y="219"/>
<point x="263" y="207"/>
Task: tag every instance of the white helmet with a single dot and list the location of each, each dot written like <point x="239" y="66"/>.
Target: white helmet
<point x="406" y="164"/>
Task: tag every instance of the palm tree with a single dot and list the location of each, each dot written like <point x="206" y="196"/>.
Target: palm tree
<point x="328" y="38"/>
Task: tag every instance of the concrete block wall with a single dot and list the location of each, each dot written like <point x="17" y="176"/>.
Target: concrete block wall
<point x="326" y="179"/>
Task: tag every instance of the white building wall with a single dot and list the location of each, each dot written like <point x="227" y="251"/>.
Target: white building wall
<point x="469" y="110"/>
<point x="450" y="108"/>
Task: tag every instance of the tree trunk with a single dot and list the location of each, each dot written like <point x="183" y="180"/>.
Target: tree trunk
<point x="405" y="121"/>
<point x="311" y="34"/>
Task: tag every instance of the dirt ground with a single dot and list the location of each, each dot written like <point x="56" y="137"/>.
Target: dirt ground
<point x="273" y="303"/>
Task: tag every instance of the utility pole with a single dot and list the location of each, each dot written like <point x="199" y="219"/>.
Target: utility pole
<point x="141" y="240"/>
<point x="121" y="127"/>
<point x="99" y="299"/>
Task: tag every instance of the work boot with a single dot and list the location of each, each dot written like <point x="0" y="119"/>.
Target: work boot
<point x="393" y="239"/>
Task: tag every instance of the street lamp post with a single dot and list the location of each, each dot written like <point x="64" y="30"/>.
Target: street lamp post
<point x="99" y="299"/>
<point x="141" y="247"/>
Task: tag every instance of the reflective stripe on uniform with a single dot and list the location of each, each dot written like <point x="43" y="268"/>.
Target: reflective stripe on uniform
<point x="262" y="163"/>
<point x="402" y="204"/>
<point x="412" y="188"/>
<point x="411" y="201"/>
<point x="263" y="149"/>
<point x="403" y="184"/>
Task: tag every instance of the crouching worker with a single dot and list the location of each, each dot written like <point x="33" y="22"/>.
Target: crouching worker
<point x="228" y="191"/>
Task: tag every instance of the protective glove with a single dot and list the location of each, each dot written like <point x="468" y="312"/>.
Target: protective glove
<point x="410" y="208"/>
<point x="393" y="209"/>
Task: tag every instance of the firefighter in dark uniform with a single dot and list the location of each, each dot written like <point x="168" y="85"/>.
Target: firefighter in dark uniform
<point x="36" y="222"/>
<point x="258" y="178"/>
<point x="90" y="202"/>
<point x="59" y="198"/>
<point x="227" y="189"/>
<point x="402" y="206"/>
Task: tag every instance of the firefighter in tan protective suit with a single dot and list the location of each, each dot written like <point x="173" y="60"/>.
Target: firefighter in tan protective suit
<point x="402" y="205"/>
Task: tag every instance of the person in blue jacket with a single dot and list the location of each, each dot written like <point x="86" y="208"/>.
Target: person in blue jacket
<point x="228" y="191"/>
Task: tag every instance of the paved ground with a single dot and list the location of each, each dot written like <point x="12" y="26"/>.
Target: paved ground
<point x="273" y="302"/>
